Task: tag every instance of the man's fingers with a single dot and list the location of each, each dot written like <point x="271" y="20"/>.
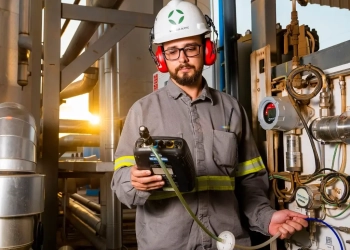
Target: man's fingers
<point x="301" y="221"/>
<point x="294" y="224"/>
<point x="284" y="233"/>
<point x="139" y="173"/>
<point x="289" y="228"/>
<point x="148" y="186"/>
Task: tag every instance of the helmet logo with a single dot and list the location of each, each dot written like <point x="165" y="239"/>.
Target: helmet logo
<point x="182" y="17"/>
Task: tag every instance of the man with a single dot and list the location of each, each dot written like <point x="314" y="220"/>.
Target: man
<point x="231" y="177"/>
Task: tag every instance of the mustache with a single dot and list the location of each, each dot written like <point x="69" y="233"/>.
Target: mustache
<point x="184" y="65"/>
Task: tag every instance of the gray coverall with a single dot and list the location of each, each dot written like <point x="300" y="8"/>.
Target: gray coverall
<point x="219" y="151"/>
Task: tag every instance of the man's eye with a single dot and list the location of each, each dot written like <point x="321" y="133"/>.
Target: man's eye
<point x="171" y="52"/>
<point x="190" y="48"/>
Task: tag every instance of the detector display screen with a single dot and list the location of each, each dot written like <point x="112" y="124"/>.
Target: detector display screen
<point x="270" y="113"/>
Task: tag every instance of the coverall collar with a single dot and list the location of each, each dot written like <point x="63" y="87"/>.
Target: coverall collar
<point x="175" y="92"/>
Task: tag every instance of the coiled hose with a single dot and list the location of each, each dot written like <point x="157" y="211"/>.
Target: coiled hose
<point x="297" y="98"/>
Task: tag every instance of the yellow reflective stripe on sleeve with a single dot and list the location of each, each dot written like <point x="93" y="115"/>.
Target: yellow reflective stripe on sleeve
<point x="124" y="161"/>
<point x="203" y="183"/>
<point x="251" y="166"/>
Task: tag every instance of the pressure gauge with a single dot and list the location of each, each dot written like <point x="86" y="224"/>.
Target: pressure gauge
<point x="308" y="197"/>
<point x="278" y="113"/>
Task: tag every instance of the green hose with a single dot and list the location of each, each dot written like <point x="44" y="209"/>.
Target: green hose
<point x="188" y="209"/>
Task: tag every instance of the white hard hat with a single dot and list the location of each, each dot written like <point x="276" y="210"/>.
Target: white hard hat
<point x="179" y="19"/>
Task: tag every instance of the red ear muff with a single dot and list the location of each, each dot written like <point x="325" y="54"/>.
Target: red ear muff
<point x="161" y="63"/>
<point x="209" y="52"/>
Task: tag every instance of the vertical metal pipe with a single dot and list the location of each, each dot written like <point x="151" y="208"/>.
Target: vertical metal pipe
<point x="24" y="17"/>
<point x="48" y="163"/>
<point x="102" y="99"/>
<point x="23" y="55"/>
<point x="9" y="17"/>
<point x="109" y="110"/>
<point x="230" y="48"/>
<point x="35" y="60"/>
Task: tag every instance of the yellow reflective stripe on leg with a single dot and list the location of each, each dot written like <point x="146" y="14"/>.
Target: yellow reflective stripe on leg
<point x="251" y="166"/>
<point x="203" y="183"/>
<point x="124" y="161"/>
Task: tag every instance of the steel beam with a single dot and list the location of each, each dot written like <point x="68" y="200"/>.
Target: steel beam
<point x="324" y="59"/>
<point x="48" y="162"/>
<point x="104" y="15"/>
<point x="93" y="53"/>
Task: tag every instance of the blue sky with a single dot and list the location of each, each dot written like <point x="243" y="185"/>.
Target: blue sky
<point x="332" y="24"/>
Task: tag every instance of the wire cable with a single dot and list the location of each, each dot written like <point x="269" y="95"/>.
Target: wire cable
<point x="324" y="184"/>
<point x="331" y="228"/>
<point x="337" y="215"/>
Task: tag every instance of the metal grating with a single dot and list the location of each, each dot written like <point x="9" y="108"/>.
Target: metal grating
<point x="342" y="4"/>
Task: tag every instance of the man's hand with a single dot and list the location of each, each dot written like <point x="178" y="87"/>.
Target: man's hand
<point x="287" y="223"/>
<point x="144" y="181"/>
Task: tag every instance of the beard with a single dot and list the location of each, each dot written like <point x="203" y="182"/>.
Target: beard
<point x="186" y="79"/>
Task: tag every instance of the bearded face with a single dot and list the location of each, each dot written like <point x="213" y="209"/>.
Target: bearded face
<point x="186" y="74"/>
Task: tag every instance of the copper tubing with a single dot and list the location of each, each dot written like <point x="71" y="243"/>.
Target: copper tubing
<point x="342" y="84"/>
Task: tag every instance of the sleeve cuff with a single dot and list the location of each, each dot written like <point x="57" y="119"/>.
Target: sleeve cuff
<point x="265" y="216"/>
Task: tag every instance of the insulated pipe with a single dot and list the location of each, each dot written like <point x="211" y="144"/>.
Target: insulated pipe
<point x="81" y="87"/>
<point x="87" y="203"/>
<point x="24" y="40"/>
<point x="108" y="105"/>
<point x="90" y="219"/>
<point x="78" y="127"/>
<point x="9" y="17"/>
<point x="79" y="141"/>
<point x="23" y="53"/>
<point x="86" y="231"/>
<point x="84" y="32"/>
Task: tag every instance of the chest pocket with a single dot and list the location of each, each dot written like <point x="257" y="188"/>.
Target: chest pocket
<point x="225" y="149"/>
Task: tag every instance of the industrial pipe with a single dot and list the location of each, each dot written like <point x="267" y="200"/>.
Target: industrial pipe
<point x="81" y="87"/>
<point x="79" y="141"/>
<point x="88" y="233"/>
<point x="78" y="127"/>
<point x="90" y="219"/>
<point x="128" y="214"/>
<point x="87" y="203"/>
<point x="23" y="52"/>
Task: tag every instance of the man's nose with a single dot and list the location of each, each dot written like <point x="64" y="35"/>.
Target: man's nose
<point x="183" y="57"/>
